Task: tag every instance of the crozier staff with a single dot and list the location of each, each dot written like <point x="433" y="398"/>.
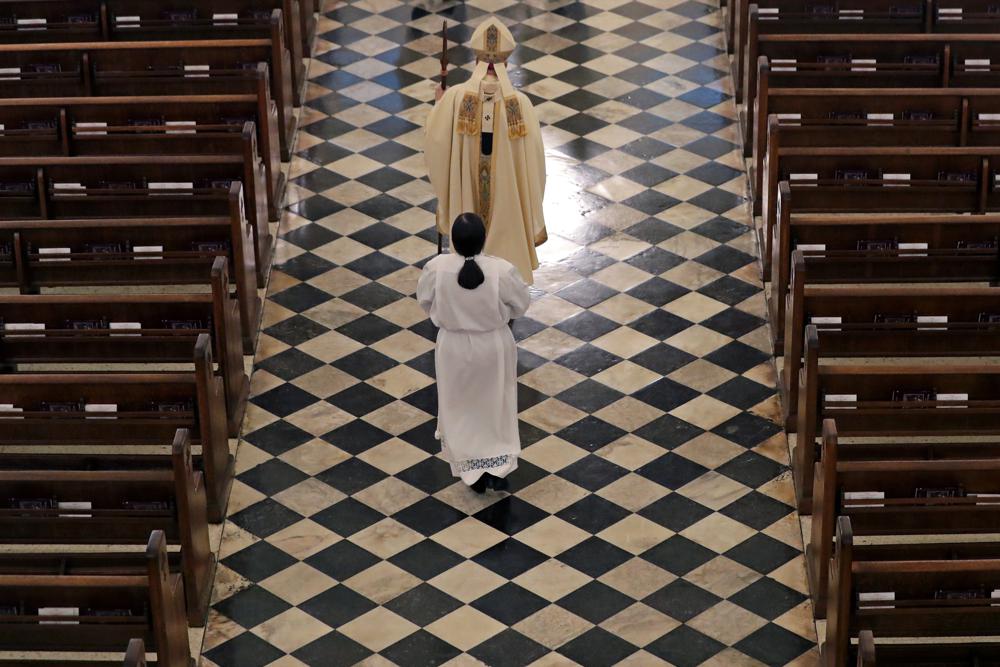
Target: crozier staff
<point x="471" y="297"/>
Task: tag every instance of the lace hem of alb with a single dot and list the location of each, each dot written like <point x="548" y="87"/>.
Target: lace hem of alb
<point x="485" y="464"/>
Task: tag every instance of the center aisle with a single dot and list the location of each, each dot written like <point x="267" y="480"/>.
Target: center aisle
<point x="651" y="518"/>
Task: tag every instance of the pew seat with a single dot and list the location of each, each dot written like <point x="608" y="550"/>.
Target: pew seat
<point x="125" y="409"/>
<point x="73" y="506"/>
<point x="99" y="612"/>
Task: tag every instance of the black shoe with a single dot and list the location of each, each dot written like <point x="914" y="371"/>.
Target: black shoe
<point x="497" y="483"/>
<point x="479" y="486"/>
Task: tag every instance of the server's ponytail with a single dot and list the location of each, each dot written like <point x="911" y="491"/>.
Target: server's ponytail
<point x="468" y="236"/>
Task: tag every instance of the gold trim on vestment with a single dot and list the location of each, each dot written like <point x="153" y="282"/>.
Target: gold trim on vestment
<point x="485" y="169"/>
<point x="468" y="115"/>
<point x="516" y="127"/>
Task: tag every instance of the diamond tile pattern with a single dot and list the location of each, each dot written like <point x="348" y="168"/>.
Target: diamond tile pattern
<point x="649" y="521"/>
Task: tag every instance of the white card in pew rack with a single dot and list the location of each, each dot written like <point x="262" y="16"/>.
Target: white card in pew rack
<point x="9" y="73"/>
<point x="118" y="326"/>
<point x="130" y="21"/>
<point x="181" y="126"/>
<point x="826" y="320"/>
<point x="7" y="411"/>
<point x="863" y="495"/>
<point x="101" y="409"/>
<point x="977" y="64"/>
<point x="784" y="65"/>
<point x="59" y="611"/>
<point x="54" y="251"/>
<point x="76" y="505"/>
<point x="908" y="248"/>
<point x="147" y="249"/>
<point x="989" y="116"/>
<point x="833" y="399"/>
<point x="817" y="247"/>
<point x="855" y="62"/>
<point x="24" y="326"/>
<point x="91" y="128"/>
<point x="69" y="188"/>
<point x="932" y="319"/>
<point x="196" y="71"/>
<point x="165" y="185"/>
<point x="896" y="180"/>
<point x="952" y="397"/>
<point x="31" y="24"/>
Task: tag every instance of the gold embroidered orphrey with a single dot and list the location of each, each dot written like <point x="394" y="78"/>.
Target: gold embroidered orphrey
<point x="468" y="114"/>
<point x="484" y="178"/>
<point x="515" y="119"/>
<point x="491" y="42"/>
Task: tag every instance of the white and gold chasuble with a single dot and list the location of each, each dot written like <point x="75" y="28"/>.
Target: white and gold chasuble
<point x="506" y="187"/>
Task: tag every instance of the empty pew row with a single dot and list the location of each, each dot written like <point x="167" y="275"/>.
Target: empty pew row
<point x="863" y="321"/>
<point x="868" y="61"/>
<point x="877" y="248"/>
<point x="123" y="69"/>
<point x="50" y="21"/>
<point x="952" y="654"/>
<point x="778" y="17"/>
<point x="876" y="179"/>
<point x="72" y="20"/>
<point x="170" y="125"/>
<point x="195" y="250"/>
<point x="125" y="411"/>
<point x="872" y="117"/>
<point x="900" y="489"/>
<point x="86" y="612"/>
<point x="135" y="656"/>
<point x="130" y="329"/>
<point x="926" y="593"/>
<point x="58" y="500"/>
<point x="114" y="186"/>
<point x="888" y="400"/>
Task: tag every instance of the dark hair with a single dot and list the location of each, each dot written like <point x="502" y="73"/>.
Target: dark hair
<point x="468" y="236"/>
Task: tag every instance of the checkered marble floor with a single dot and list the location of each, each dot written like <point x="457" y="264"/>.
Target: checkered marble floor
<point x="650" y="521"/>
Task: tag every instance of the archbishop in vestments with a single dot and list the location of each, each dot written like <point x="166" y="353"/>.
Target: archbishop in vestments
<point x="484" y="154"/>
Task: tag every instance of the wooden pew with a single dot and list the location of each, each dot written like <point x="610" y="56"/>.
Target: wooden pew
<point x="123" y="507"/>
<point x="172" y="19"/>
<point x="877" y="179"/>
<point x="888" y="400"/>
<point x="89" y="69"/>
<point x="872" y="117"/>
<point x="933" y="597"/>
<point x="114" y="186"/>
<point x="940" y="496"/>
<point x="195" y="251"/>
<point x="151" y="139"/>
<point x="874" y="248"/>
<point x="111" y="610"/>
<point x="951" y="654"/>
<point x="902" y="61"/>
<point x="783" y="17"/>
<point x="854" y="321"/>
<point x="59" y="21"/>
<point x="175" y="125"/>
<point x="161" y="329"/>
<point x="135" y="656"/>
<point x="50" y="409"/>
